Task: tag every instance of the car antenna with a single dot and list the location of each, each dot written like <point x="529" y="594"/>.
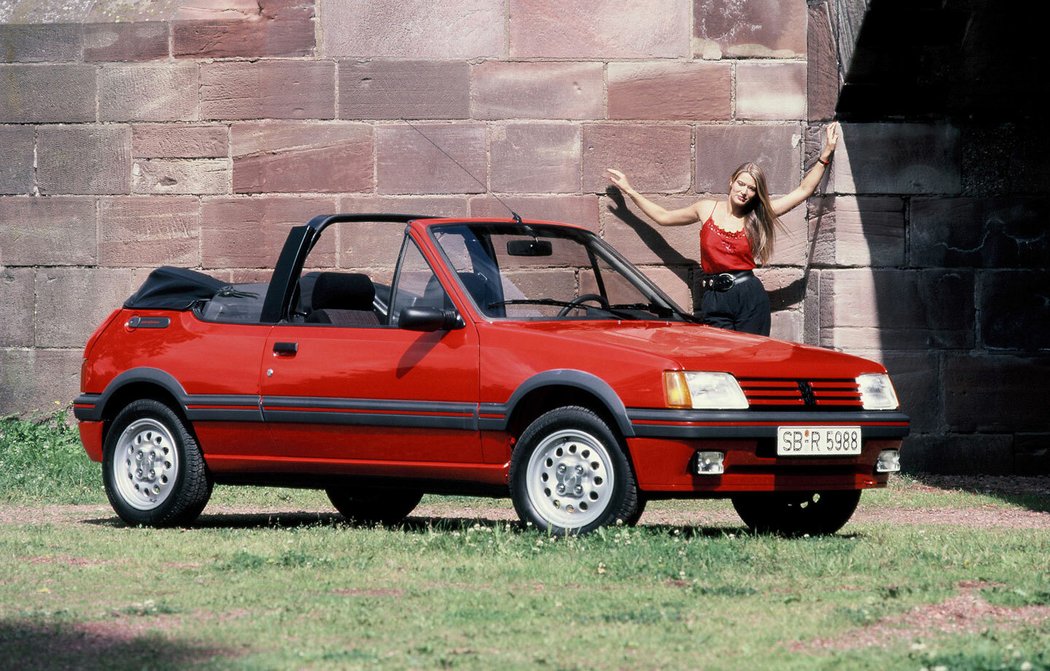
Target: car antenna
<point x="513" y="214"/>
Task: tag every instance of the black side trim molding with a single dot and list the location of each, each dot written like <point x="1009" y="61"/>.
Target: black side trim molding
<point x="694" y="424"/>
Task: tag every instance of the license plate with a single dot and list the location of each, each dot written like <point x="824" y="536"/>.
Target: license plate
<point x="821" y="441"/>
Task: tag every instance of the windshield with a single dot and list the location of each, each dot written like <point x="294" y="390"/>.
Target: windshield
<point x="537" y="272"/>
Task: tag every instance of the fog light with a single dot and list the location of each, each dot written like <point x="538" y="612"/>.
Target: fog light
<point x="889" y="462"/>
<point x="710" y="463"/>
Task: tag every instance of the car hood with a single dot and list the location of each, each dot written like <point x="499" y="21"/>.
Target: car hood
<point x="697" y="347"/>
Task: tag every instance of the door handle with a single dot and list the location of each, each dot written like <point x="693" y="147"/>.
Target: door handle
<point x="285" y="348"/>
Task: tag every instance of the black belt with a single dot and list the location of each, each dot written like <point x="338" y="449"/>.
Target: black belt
<point x="724" y="281"/>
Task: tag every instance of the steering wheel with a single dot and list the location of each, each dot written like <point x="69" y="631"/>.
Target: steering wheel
<point x="576" y="302"/>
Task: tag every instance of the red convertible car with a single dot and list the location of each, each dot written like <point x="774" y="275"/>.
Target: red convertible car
<point x="394" y="355"/>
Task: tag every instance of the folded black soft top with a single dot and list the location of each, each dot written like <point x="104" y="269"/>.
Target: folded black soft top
<point x="169" y="288"/>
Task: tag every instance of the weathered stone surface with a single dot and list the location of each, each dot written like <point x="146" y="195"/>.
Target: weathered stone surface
<point x="995" y="393"/>
<point x="894" y="309"/>
<point x="47" y="231"/>
<point x="675" y="90"/>
<point x="71" y="302"/>
<point x="38" y="381"/>
<point x="267" y="89"/>
<point x="214" y="10"/>
<point x="47" y="93"/>
<point x="536" y="157"/>
<point x="413" y="29"/>
<point x="980" y="232"/>
<point x="446" y="206"/>
<point x="404" y="90"/>
<point x="407" y="160"/>
<point x="181" y="176"/>
<point x="16" y="159"/>
<point x="656" y="158"/>
<point x="302" y="157"/>
<point x="771" y="92"/>
<point x="1009" y="158"/>
<point x="917" y="379"/>
<point x="674" y="282"/>
<point x="165" y="92"/>
<point x="179" y="141"/>
<point x="147" y="232"/>
<point x="84" y="159"/>
<point x="822" y="65"/>
<point x="370" y="245"/>
<point x="784" y="286"/>
<point x="791" y="245"/>
<point x="17" y="296"/>
<point x="579" y="210"/>
<point x="40" y="43"/>
<point x="646" y="243"/>
<point x="956" y="454"/>
<point x="115" y="42"/>
<point x="851" y="231"/>
<point x="598" y="29"/>
<point x="721" y="149"/>
<point x="766" y="28"/>
<point x="786" y="325"/>
<point x="1014" y="310"/>
<point x="538" y="90"/>
<point x="897" y="158"/>
<point x="249" y="232"/>
<point x="265" y="28"/>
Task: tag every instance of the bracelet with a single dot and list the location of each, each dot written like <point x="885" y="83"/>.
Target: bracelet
<point x="823" y="162"/>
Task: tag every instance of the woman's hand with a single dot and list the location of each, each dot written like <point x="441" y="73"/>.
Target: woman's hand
<point x="830" y="141"/>
<point x="619" y="180"/>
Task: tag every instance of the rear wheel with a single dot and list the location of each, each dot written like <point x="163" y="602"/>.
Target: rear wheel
<point x="569" y="474"/>
<point x="152" y="468"/>
<point x="374" y="505"/>
<point x="797" y="513"/>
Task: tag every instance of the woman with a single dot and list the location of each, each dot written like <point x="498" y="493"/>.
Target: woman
<point x="736" y="235"/>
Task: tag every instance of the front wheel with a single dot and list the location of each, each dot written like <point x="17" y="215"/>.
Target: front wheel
<point x="797" y="513"/>
<point x="152" y="468"/>
<point x="569" y="474"/>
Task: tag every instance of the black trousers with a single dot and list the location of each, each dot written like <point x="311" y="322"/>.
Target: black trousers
<point x="744" y="307"/>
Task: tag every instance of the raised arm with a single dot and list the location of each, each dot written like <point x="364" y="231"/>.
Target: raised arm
<point x="659" y="214"/>
<point x="809" y="184"/>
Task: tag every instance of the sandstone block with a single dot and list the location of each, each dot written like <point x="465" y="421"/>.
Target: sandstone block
<point x="851" y="231"/>
<point x="40" y="43"/>
<point x="771" y="92"/>
<point x="897" y="158"/>
<point x="370" y="245"/>
<point x="721" y="149"/>
<point x="84" y="159"/>
<point x="600" y="29"/>
<point x="656" y="158"/>
<point x="302" y="157"/>
<point x="267" y="90"/>
<point x="786" y="325"/>
<point x="17" y="299"/>
<point x="675" y="90"/>
<point x="675" y="282"/>
<point x="249" y="232"/>
<point x="995" y="393"/>
<point x="409" y="162"/>
<point x="1014" y="310"/>
<point x="404" y="90"/>
<point x="38" y="382"/>
<point x="980" y="232"/>
<point x="115" y="42"/>
<point x="446" y="206"/>
<point x="579" y="210"/>
<point x="646" y="243"/>
<point x="47" y="231"/>
<point x="536" y="157"/>
<point x="792" y="245"/>
<point x="537" y="90"/>
<point x="917" y="379"/>
<point x="958" y="454"/>
<point x="165" y="92"/>
<point x="16" y="159"/>
<point x="763" y="29"/>
<point x="269" y="28"/>
<point x="148" y="232"/>
<point x="72" y="302"/>
<point x="822" y="74"/>
<point x="784" y="286"/>
<point x="414" y="29"/>
<point x="47" y="93"/>
<point x="179" y="141"/>
<point x="181" y="176"/>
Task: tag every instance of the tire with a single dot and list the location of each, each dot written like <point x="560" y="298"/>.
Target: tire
<point x="571" y="448"/>
<point x="152" y="468"/>
<point x="797" y="513"/>
<point x="368" y="506"/>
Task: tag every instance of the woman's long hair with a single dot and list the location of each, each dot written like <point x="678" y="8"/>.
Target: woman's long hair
<point x="761" y="223"/>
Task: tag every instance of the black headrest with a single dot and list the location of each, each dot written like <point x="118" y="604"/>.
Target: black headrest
<point x="343" y="291"/>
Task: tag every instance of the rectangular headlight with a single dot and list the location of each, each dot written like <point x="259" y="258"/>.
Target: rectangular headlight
<point x="703" y="391"/>
<point x="876" y="392"/>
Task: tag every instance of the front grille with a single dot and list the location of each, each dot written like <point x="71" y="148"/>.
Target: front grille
<point x="769" y="393"/>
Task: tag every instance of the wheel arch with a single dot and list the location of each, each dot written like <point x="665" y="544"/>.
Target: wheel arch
<point x="138" y="383"/>
<point x="559" y="388"/>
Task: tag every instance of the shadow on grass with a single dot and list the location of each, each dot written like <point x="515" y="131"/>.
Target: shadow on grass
<point x="1032" y="492"/>
<point x="108" y="646"/>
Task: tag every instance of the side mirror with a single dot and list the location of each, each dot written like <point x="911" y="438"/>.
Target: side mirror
<point x="429" y="319"/>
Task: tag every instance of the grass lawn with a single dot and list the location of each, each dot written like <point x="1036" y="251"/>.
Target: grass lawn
<point x="272" y="579"/>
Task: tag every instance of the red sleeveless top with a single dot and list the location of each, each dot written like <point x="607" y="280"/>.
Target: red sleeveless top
<point x="722" y="251"/>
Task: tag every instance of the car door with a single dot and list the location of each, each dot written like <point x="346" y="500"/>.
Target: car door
<point x="375" y="399"/>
